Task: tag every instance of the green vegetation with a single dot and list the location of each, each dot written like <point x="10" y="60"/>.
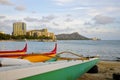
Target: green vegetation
<point x="11" y="37"/>
<point x="5" y="36"/>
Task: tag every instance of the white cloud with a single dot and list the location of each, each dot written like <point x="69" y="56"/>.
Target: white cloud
<point x="80" y="8"/>
<point x="68" y="20"/>
<point x="6" y="25"/>
<point x="62" y="2"/>
<point x="48" y="18"/>
<point x="94" y="12"/>
<point x="103" y="10"/>
<point x="100" y="19"/>
<point x="55" y="24"/>
<point x="11" y="21"/>
<point x="20" y="8"/>
<point x="112" y="8"/>
<point x="29" y="19"/>
<point x="6" y="2"/>
<point x="2" y="17"/>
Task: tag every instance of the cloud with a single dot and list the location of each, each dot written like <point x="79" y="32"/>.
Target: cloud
<point x="100" y="19"/>
<point x="107" y="10"/>
<point x="44" y="19"/>
<point x="68" y="20"/>
<point x="34" y="12"/>
<point x="28" y="19"/>
<point x="6" y="31"/>
<point x="62" y="2"/>
<point x="50" y="17"/>
<point x="80" y="8"/>
<point x="20" y="8"/>
<point x="6" y="2"/>
<point x="87" y="23"/>
<point x="47" y="18"/>
<point x="112" y="8"/>
<point x="68" y="15"/>
<point x="55" y="24"/>
<point x="6" y="25"/>
<point x="11" y="21"/>
<point x="2" y="17"/>
<point x="58" y="30"/>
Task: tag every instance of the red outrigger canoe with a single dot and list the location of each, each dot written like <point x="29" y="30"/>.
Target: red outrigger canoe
<point x="15" y="51"/>
<point x="33" y="57"/>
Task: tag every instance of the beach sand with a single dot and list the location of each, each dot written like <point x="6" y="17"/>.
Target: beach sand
<point x="106" y="69"/>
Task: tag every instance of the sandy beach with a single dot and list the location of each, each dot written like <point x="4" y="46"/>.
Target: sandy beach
<point x="106" y="69"/>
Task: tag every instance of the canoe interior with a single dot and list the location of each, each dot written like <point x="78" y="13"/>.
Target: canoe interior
<point x="68" y="73"/>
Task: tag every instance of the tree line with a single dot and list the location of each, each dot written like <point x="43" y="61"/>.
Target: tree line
<point x="20" y="37"/>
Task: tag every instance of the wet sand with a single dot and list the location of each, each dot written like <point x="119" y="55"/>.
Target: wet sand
<point x="106" y="69"/>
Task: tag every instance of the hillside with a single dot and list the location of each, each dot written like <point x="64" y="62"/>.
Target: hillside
<point x="72" y="36"/>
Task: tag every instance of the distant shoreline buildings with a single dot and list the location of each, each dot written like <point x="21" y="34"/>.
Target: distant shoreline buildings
<point x="95" y="38"/>
<point x="19" y="29"/>
<point x="42" y="32"/>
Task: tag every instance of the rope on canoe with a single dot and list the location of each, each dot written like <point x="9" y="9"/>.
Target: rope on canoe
<point x="69" y="53"/>
<point x="80" y="57"/>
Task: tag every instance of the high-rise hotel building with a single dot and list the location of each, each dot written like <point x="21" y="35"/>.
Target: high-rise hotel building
<point x="19" y="28"/>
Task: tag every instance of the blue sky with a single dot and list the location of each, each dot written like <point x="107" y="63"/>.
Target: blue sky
<point x="91" y="18"/>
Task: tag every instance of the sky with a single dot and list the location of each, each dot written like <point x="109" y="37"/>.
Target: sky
<point x="90" y="18"/>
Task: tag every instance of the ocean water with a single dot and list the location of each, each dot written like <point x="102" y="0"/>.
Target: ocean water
<point x="106" y="49"/>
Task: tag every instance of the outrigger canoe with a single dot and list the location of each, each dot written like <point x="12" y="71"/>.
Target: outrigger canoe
<point x="58" y="70"/>
<point x="15" y="51"/>
<point x="33" y="57"/>
<point x="13" y="62"/>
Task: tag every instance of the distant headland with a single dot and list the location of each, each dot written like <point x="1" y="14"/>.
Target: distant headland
<point x="72" y="36"/>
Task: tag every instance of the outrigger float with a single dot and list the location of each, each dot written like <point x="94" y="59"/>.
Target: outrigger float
<point x="69" y="69"/>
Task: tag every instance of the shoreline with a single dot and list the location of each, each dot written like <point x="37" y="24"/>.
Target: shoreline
<point x="28" y="40"/>
<point x="105" y="71"/>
